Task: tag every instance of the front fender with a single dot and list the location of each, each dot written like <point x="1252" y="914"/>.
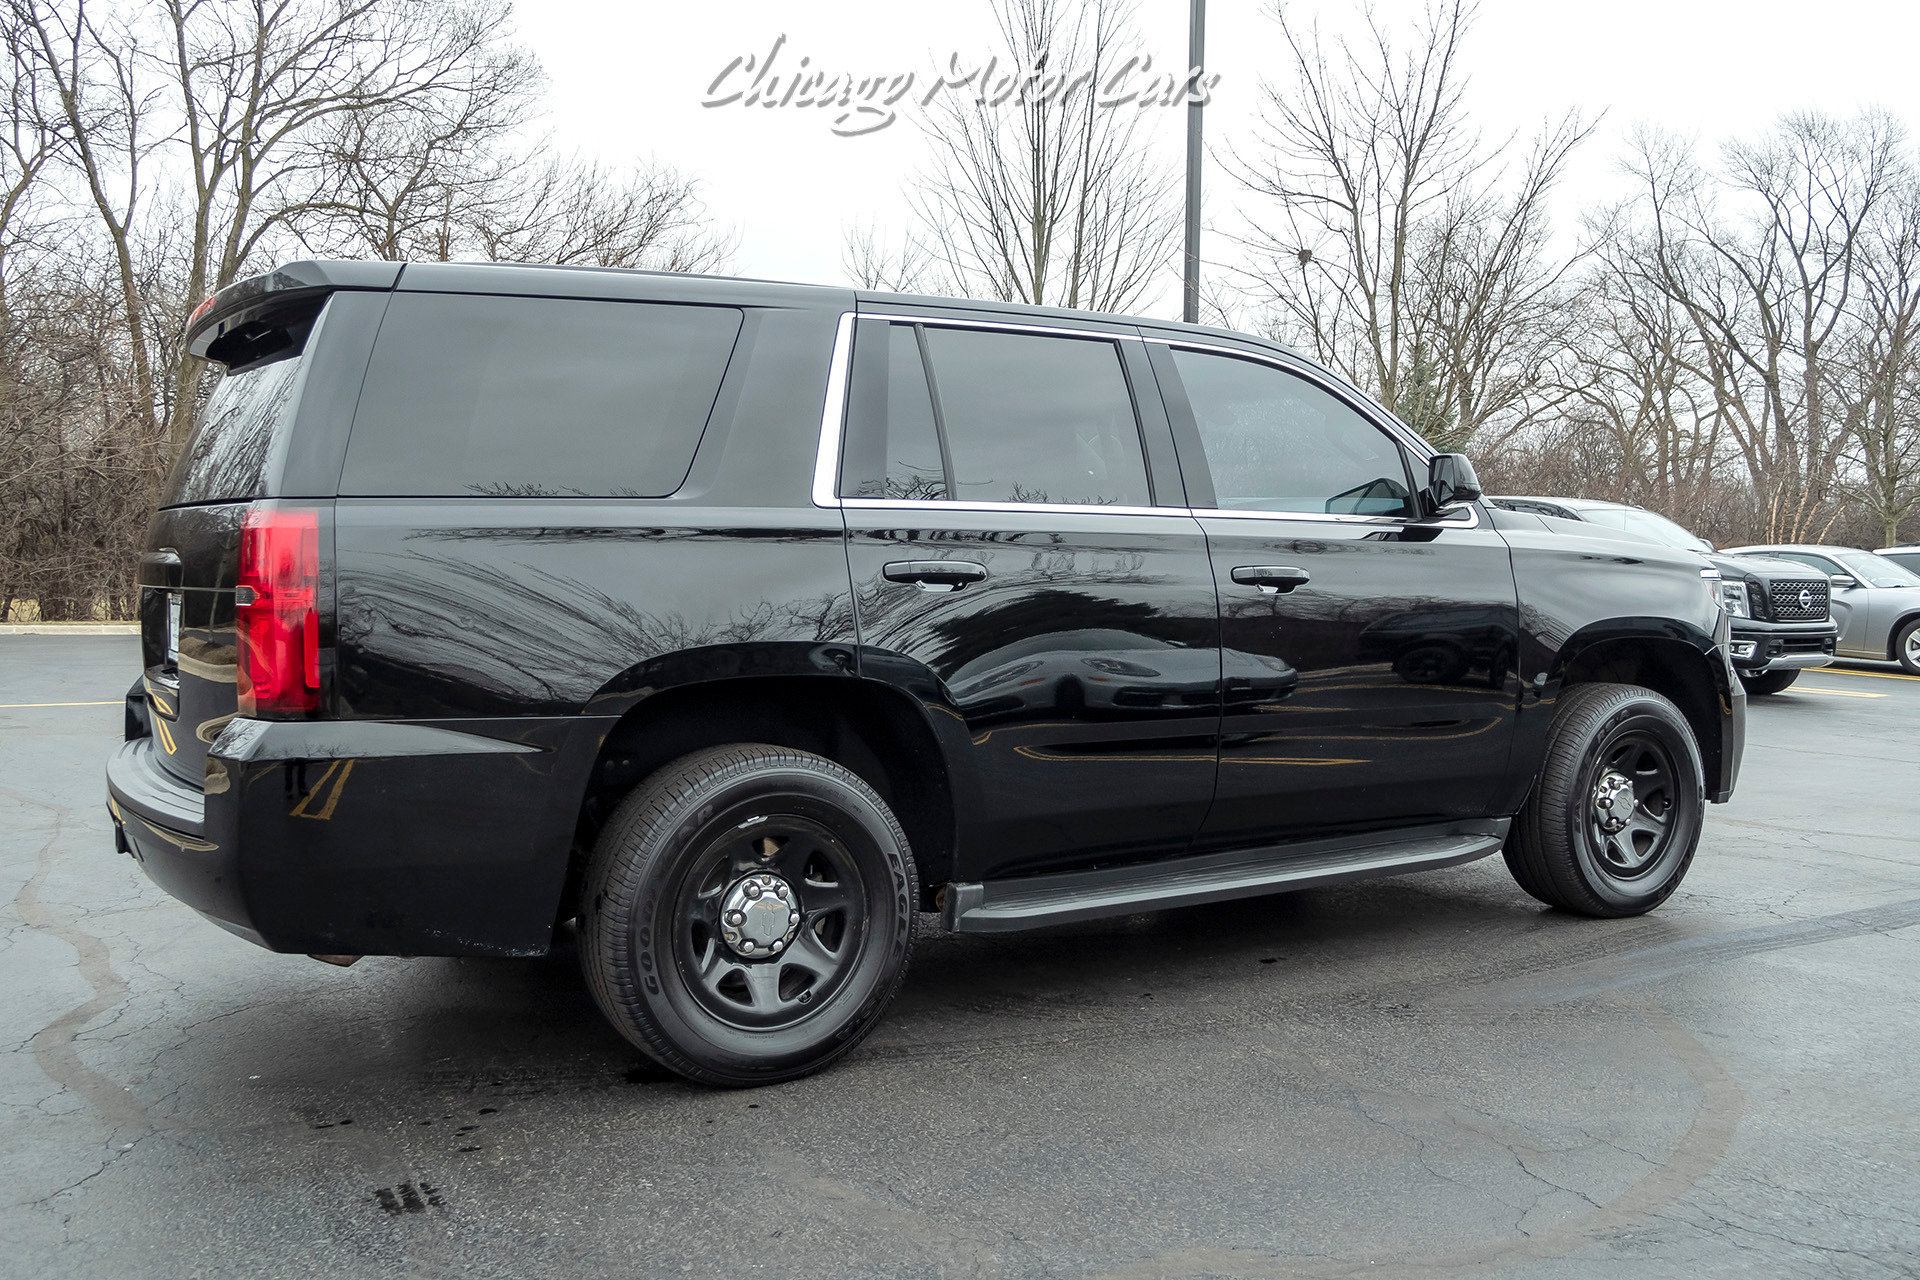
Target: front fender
<point x="1583" y="597"/>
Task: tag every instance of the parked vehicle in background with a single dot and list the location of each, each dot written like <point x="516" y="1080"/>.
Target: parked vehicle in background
<point x="742" y="621"/>
<point x="1876" y="600"/>
<point x="1782" y="622"/>
<point x="1906" y="556"/>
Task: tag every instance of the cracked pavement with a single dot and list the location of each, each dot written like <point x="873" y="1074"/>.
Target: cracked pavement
<point x="1425" y="1076"/>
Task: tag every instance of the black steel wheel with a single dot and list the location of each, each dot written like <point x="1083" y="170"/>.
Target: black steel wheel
<point x="1615" y="815"/>
<point x="1768" y="682"/>
<point x="748" y="913"/>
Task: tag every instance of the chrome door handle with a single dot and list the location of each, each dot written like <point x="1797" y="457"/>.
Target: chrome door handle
<point x="1271" y="578"/>
<point x="934" y="575"/>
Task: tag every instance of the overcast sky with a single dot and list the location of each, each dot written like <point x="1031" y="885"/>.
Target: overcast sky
<point x="629" y="77"/>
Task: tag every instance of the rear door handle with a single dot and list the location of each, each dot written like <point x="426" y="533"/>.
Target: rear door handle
<point x="1270" y="578"/>
<point x="934" y="575"/>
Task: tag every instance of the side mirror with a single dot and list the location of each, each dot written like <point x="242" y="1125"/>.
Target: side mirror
<point x="1845" y="581"/>
<point x="1450" y="480"/>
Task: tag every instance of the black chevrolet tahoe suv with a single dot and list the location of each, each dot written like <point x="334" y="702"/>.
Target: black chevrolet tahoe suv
<point x="741" y="622"/>
<point x="1782" y="613"/>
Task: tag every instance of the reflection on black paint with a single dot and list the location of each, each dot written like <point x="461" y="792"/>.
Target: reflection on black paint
<point x="1403" y="705"/>
<point x="1085" y="670"/>
<point x="489" y="624"/>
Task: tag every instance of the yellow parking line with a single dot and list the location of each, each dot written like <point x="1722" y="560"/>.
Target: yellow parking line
<point x="1877" y="675"/>
<point x="1837" y="693"/>
<point x="11" y="706"/>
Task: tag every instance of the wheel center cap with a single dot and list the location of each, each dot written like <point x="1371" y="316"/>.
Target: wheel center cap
<point x="759" y="915"/>
<point x="1613" y="801"/>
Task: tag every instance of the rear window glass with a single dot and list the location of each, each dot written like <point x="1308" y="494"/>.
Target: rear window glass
<point x="226" y="457"/>
<point x="1037" y="419"/>
<point x="536" y="397"/>
<point x="892" y="441"/>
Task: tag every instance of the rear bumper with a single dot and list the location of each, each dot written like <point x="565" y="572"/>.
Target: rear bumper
<point x="162" y="822"/>
<point x="366" y="838"/>
<point x="1759" y="646"/>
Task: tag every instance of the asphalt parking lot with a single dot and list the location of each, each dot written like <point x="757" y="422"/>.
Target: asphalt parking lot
<point x="1425" y="1076"/>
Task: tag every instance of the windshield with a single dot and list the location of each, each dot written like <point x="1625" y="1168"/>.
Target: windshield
<point x="1661" y="529"/>
<point x="1645" y="524"/>
<point x="1876" y="570"/>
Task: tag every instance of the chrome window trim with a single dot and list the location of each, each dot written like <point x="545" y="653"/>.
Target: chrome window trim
<point x="826" y="459"/>
<point x="1044" y="508"/>
<point x="826" y="469"/>
<point x="826" y="465"/>
<point x="1446" y="519"/>
<point x="1050" y="330"/>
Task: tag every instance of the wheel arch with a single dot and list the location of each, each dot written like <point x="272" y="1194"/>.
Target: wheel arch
<point x="1672" y="663"/>
<point x="877" y="731"/>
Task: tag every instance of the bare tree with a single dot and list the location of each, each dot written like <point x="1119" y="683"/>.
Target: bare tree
<point x="29" y="142"/>
<point x="106" y="110"/>
<point x="236" y="96"/>
<point x="1769" y="285"/>
<point x="870" y="264"/>
<point x="401" y="180"/>
<point x="1400" y="247"/>
<point x="1049" y="197"/>
<point x="446" y="174"/>
<point x="1879" y="378"/>
<point x="569" y="211"/>
<point x="1637" y="380"/>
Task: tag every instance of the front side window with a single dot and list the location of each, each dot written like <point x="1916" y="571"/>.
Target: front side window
<point x="1275" y="442"/>
<point x="979" y="415"/>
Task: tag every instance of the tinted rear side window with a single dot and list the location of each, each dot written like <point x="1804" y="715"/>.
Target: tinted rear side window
<point x="1037" y="419"/>
<point x="536" y="397"/>
<point x="226" y="458"/>
<point x="892" y="441"/>
<point x="255" y="372"/>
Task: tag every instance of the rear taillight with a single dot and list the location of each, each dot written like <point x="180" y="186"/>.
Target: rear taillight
<point x="276" y="612"/>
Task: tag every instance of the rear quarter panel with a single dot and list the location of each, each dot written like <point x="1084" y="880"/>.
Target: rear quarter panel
<point x="540" y="621"/>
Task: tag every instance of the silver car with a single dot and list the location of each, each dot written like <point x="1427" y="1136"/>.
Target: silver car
<point x="1876" y="600"/>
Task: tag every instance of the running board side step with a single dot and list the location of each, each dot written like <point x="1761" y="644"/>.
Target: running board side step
<point x="1029" y="902"/>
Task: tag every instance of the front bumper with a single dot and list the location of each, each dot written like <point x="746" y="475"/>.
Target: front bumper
<point x="366" y="837"/>
<point x="1759" y="646"/>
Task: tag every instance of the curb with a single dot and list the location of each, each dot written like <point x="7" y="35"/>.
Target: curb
<point x="69" y="629"/>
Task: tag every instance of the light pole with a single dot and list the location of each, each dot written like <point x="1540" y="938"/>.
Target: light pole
<point x="1196" y="57"/>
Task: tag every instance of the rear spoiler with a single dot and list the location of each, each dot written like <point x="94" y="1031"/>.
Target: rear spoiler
<point x="246" y="300"/>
